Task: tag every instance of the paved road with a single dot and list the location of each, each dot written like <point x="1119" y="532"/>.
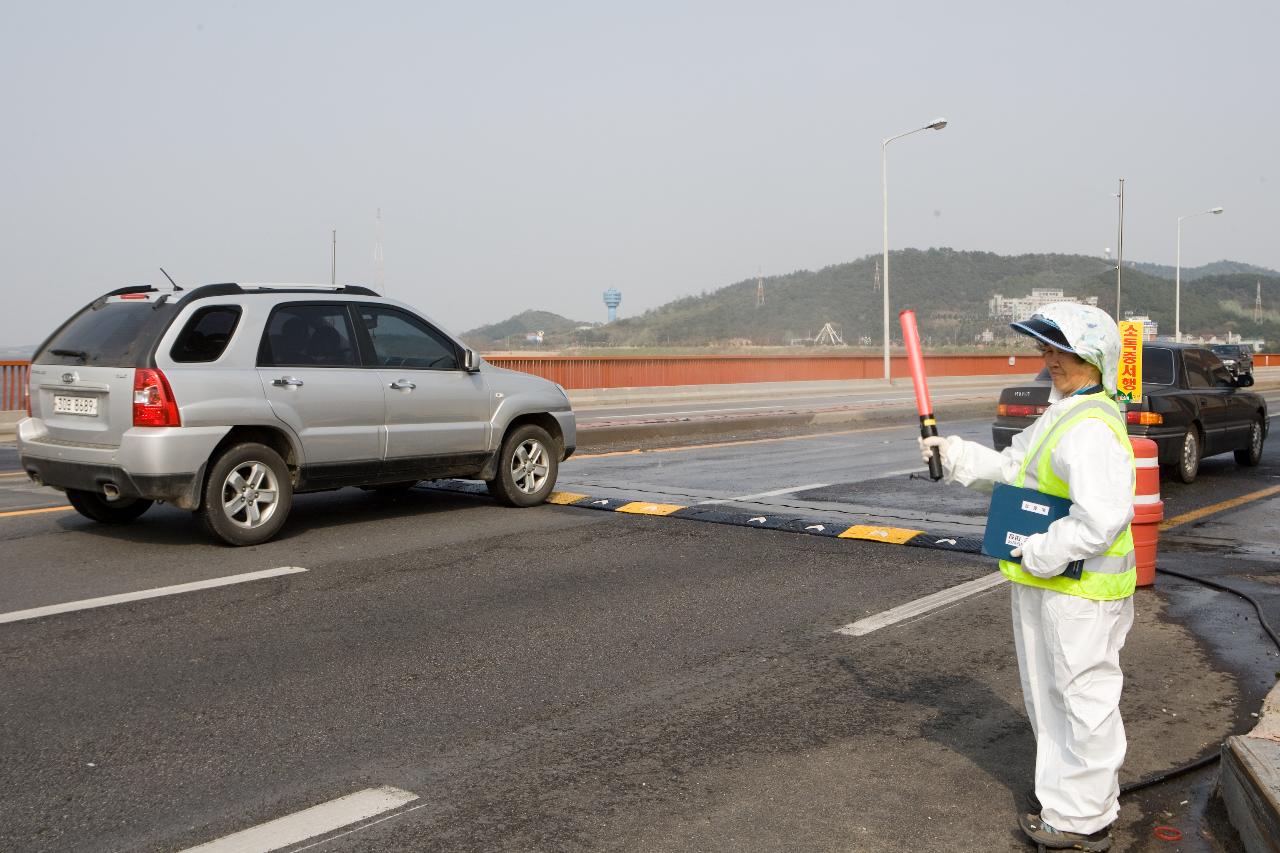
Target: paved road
<point x="567" y="679"/>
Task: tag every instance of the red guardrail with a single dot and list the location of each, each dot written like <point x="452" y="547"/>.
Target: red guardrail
<point x="620" y="371"/>
<point x="625" y="371"/>
<point x="13" y="385"/>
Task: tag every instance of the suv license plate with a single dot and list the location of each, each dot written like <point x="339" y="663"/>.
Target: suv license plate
<point x="67" y="405"/>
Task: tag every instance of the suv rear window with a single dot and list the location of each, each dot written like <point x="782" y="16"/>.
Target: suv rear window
<point x="115" y="334"/>
<point x="206" y="334"/>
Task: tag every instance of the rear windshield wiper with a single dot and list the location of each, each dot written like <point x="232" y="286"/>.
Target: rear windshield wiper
<point x="73" y="353"/>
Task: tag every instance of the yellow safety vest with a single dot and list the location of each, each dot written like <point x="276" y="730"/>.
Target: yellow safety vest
<point x="1113" y="574"/>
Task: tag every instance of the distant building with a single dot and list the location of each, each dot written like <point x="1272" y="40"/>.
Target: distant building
<point x="533" y="337"/>
<point x="1150" y="328"/>
<point x="1016" y="309"/>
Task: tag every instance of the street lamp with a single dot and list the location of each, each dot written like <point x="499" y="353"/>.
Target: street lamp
<point x="936" y="124"/>
<point x="1177" y="276"/>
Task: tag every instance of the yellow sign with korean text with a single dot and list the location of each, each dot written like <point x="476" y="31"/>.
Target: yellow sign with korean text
<point x="1129" y="382"/>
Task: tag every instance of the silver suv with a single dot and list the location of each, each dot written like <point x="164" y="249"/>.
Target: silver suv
<point x="228" y="399"/>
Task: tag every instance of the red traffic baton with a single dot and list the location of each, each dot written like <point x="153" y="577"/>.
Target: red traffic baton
<point x="915" y="358"/>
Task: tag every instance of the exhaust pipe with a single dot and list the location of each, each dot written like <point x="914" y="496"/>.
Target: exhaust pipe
<point x="112" y="491"/>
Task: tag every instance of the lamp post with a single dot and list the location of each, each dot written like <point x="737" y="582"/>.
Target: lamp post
<point x="1119" y="248"/>
<point x="936" y="124"/>
<point x="1177" y="276"/>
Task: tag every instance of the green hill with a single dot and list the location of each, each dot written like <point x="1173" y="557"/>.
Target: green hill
<point x="1215" y="268"/>
<point x="949" y="290"/>
<point x="512" y="331"/>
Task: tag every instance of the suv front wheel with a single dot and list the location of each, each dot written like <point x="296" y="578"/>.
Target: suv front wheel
<point x="527" y="467"/>
<point x="247" y="495"/>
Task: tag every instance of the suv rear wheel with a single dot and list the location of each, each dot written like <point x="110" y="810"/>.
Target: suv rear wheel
<point x="527" y="467"/>
<point x="247" y="495"/>
<point x="96" y="507"/>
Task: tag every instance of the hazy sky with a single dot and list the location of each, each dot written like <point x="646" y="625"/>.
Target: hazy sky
<point x="530" y="155"/>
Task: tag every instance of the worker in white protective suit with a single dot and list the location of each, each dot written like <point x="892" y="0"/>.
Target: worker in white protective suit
<point x="1068" y="633"/>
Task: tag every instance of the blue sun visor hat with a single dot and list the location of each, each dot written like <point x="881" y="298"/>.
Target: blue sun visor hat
<point x="1044" y="330"/>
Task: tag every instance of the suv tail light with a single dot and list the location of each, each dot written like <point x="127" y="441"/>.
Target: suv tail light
<point x="1144" y="418"/>
<point x="153" y="402"/>
<point x="1018" y="410"/>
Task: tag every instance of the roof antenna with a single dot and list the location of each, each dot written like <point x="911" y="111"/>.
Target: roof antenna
<point x="171" y="281"/>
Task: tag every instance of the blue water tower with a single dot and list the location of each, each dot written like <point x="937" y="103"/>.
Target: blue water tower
<point x="613" y="298"/>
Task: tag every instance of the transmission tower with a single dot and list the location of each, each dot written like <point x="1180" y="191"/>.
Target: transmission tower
<point x="759" y="290"/>
<point x="876" y="285"/>
<point x="1257" y="303"/>
<point x="379" y="268"/>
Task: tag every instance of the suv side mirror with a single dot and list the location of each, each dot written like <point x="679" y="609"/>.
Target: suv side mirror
<point x="471" y="361"/>
<point x="1244" y="380"/>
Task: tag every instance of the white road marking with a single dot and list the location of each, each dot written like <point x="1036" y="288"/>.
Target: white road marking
<point x="308" y="823"/>
<point x="920" y="606"/>
<point x="107" y="600"/>
<point x="775" y="493"/>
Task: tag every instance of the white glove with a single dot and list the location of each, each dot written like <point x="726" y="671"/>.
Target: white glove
<point x="1032" y="562"/>
<point x="928" y="444"/>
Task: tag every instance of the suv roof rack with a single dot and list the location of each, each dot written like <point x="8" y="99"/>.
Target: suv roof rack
<point x="277" y="287"/>
<point x="230" y="289"/>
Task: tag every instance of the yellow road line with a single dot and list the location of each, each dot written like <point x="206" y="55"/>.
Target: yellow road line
<point x="713" y="445"/>
<point x="1187" y="517"/>
<point x="62" y="508"/>
<point x="14" y="474"/>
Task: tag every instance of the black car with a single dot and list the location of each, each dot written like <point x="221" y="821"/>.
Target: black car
<point x="1191" y="407"/>
<point x="1237" y="357"/>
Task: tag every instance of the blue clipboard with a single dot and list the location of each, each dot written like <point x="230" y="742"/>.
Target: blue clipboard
<point x="1015" y="514"/>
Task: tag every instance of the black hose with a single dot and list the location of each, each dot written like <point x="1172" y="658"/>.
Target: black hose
<point x="1214" y="756"/>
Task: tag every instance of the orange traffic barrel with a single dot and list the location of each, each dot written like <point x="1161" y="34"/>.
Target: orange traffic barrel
<point x="1148" y="509"/>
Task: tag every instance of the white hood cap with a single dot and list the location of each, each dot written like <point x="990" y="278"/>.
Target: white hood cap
<point x="1092" y="334"/>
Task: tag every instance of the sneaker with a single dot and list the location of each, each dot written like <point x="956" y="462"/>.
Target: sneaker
<point x="1055" y="839"/>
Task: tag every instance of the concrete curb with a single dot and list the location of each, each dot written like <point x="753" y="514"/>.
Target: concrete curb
<point x="1250" y="780"/>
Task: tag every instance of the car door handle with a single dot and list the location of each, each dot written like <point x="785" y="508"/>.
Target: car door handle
<point x="287" y="382"/>
<point x="403" y="385"/>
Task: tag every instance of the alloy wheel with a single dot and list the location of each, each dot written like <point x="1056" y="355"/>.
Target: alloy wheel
<point x="529" y="468"/>
<point x="249" y="494"/>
